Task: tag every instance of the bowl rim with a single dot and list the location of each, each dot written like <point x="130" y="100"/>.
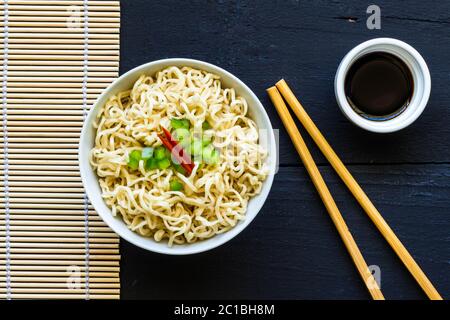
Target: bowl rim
<point x="208" y="244"/>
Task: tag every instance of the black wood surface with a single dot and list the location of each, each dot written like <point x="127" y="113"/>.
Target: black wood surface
<point x="292" y="250"/>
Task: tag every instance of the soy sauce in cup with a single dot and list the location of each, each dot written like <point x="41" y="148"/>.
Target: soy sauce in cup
<point x="382" y="85"/>
<point x="379" y="86"/>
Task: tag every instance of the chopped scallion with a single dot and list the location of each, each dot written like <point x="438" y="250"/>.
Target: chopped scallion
<point x="210" y="155"/>
<point x="206" y="125"/>
<point x="196" y="147"/>
<point x="151" y="164"/>
<point x="176" y="185"/>
<point x="147" y="153"/>
<point x="134" y="158"/>
<point x="206" y="140"/>
<point x="179" y="168"/>
<point x="168" y="153"/>
<point x="160" y="153"/>
<point x="215" y="156"/>
<point x="180" y="123"/>
<point x="182" y="134"/>
<point x="136" y="155"/>
<point x="133" y="164"/>
<point x="163" y="163"/>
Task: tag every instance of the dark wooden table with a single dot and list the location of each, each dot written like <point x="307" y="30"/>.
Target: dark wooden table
<point x="292" y="250"/>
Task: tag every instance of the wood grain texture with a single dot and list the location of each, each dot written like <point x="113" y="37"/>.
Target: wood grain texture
<point x="292" y="249"/>
<point x="302" y="41"/>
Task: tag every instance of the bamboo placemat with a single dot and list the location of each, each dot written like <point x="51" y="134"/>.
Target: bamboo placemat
<point x="57" y="56"/>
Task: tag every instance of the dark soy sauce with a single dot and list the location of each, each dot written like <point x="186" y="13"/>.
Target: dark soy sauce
<point x="379" y="86"/>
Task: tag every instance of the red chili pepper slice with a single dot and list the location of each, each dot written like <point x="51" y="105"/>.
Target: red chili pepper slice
<point x="182" y="157"/>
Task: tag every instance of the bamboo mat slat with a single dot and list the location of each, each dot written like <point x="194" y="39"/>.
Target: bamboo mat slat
<point x="56" y="57"/>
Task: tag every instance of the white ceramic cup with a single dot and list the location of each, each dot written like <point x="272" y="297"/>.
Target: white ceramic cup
<point x="421" y="78"/>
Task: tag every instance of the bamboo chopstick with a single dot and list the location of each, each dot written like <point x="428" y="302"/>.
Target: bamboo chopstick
<point x="73" y="234"/>
<point x="43" y="134"/>
<point x="55" y="194"/>
<point x="63" y="2"/>
<point x="68" y="239"/>
<point x="62" y="24"/>
<point x="24" y="62"/>
<point x="57" y="245"/>
<point x="72" y="214"/>
<point x="62" y="291"/>
<point x="60" y="68"/>
<point x="325" y="195"/>
<point x="18" y="185"/>
<point x="45" y="129"/>
<point x="30" y="222"/>
<point x="58" y="250"/>
<point x="49" y="13"/>
<point x="43" y="189"/>
<point x="55" y="283"/>
<point x="35" y="268"/>
<point x="61" y="18"/>
<point x="35" y="7"/>
<point x="357" y="192"/>
<point x="40" y="140"/>
<point x="59" y="296"/>
<point x="45" y="225"/>
<point x="27" y="274"/>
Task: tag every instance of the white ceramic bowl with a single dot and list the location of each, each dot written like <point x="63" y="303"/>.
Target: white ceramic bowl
<point x="90" y="179"/>
<point x="421" y="77"/>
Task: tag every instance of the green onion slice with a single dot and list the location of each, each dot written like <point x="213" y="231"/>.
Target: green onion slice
<point x="133" y="164"/>
<point x="210" y="155"/>
<point x="179" y="168"/>
<point x="160" y="153"/>
<point x="147" y="153"/>
<point x="180" y="123"/>
<point x="181" y="134"/>
<point x="151" y="164"/>
<point x="196" y="147"/>
<point x="134" y="158"/>
<point x="206" y="140"/>
<point x="163" y="163"/>
<point x="206" y="125"/>
<point x="176" y="185"/>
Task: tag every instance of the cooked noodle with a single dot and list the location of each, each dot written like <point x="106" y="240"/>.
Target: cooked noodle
<point x="215" y="197"/>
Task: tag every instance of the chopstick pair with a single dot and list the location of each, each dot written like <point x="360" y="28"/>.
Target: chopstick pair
<point x="300" y="145"/>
